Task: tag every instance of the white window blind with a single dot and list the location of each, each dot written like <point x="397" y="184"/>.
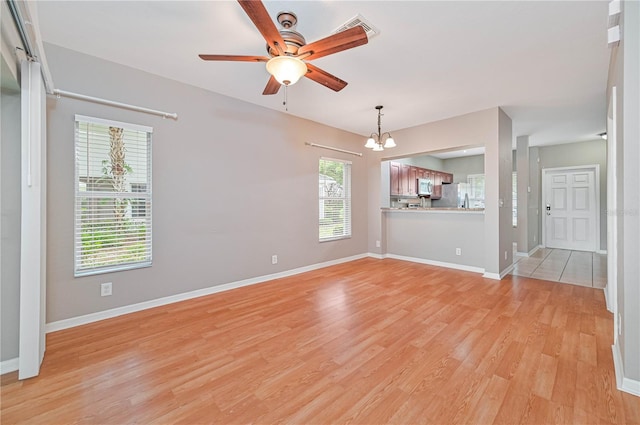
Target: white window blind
<point x="334" y="199"/>
<point x="112" y="196"/>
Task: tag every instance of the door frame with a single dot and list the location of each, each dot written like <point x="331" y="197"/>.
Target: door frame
<point x="612" y="217"/>
<point x="596" y="183"/>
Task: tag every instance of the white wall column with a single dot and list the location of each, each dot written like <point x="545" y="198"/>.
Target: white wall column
<point x="522" y="167"/>
<point x="33" y="224"/>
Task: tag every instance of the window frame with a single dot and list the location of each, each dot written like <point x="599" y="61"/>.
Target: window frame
<point x="80" y="196"/>
<point x="347" y="199"/>
<point x="474" y="199"/>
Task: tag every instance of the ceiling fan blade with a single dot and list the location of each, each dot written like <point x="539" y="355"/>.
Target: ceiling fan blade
<point x="261" y="19"/>
<point x="234" y="58"/>
<point x="272" y="86"/>
<point x="323" y="77"/>
<point x="353" y="37"/>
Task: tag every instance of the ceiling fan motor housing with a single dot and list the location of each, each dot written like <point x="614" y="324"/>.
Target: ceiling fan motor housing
<point x="293" y="39"/>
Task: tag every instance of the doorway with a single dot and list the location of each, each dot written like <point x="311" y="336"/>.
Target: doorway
<point x="570" y="198"/>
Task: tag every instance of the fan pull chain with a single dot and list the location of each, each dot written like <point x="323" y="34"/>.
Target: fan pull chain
<point x="285" y="102"/>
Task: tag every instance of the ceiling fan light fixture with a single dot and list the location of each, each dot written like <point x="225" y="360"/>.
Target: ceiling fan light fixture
<point x="287" y="70"/>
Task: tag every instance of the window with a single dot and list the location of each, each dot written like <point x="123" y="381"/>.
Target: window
<point x="112" y="196"/>
<point x="514" y="194"/>
<point x="476" y="190"/>
<point x="335" y="199"/>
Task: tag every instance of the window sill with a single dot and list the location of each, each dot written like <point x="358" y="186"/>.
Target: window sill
<point x="112" y="269"/>
<point x="337" y="238"/>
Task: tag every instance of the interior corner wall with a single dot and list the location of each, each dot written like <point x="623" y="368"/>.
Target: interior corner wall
<point x="533" y="212"/>
<point x="522" y="170"/>
<point x="10" y="170"/>
<point x="233" y="184"/>
<point x="505" y="201"/>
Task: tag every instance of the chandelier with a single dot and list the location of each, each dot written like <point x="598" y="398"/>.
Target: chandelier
<point x="375" y="141"/>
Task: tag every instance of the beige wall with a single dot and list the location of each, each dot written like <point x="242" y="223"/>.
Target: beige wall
<point x="10" y="202"/>
<point x="463" y="166"/>
<point x="233" y="183"/>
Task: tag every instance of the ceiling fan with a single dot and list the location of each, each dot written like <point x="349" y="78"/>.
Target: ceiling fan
<point x="288" y="50"/>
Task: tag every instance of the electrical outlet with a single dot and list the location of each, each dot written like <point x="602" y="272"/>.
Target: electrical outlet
<point x="458" y="251"/>
<point x="106" y="289"/>
<point x="274" y="259"/>
<point x="505" y="255"/>
<point x="377" y="244"/>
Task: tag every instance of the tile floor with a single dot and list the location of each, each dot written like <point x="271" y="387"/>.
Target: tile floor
<point x="561" y="265"/>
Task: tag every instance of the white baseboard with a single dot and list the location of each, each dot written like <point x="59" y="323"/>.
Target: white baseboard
<point x="119" y="311"/>
<point x="499" y="276"/>
<point x="437" y="263"/>
<point x="627" y="385"/>
<point x="606" y="299"/>
<point x="530" y="253"/>
<point x="7" y="366"/>
<point x="377" y="256"/>
<point x="506" y="271"/>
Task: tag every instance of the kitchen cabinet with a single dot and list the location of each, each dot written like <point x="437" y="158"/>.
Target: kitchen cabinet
<point x="439" y="179"/>
<point x="412" y="181"/>
<point x="437" y="185"/>
<point x="404" y="179"/>
<point x="394" y="176"/>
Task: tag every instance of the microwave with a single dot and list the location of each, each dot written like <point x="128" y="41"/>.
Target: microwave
<point x="425" y="187"/>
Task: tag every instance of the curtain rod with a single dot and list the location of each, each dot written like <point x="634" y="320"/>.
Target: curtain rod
<point x="333" y="149"/>
<point x="58" y="92"/>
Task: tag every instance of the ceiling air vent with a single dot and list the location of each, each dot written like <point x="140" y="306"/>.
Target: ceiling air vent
<point x="361" y="21"/>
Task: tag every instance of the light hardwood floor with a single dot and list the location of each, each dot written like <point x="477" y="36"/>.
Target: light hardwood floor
<point x="366" y="342"/>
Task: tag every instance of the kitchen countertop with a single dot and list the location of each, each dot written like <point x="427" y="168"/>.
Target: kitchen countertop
<point x="436" y="210"/>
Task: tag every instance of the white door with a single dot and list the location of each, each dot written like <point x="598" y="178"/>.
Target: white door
<point x="570" y="209"/>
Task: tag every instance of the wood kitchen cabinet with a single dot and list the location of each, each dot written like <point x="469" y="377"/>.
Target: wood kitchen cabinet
<point x="439" y="179"/>
<point x="437" y="185"/>
<point x="412" y="181"/>
<point x="394" y="176"/>
<point x="404" y="179"/>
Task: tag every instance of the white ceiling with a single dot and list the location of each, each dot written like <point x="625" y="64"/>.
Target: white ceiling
<point x="544" y="62"/>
